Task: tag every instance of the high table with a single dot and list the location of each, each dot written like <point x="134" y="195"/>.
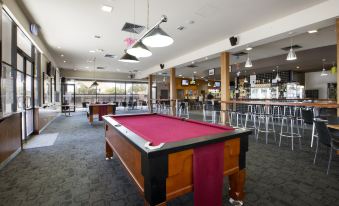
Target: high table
<point x="158" y="152"/>
<point x="100" y="109"/>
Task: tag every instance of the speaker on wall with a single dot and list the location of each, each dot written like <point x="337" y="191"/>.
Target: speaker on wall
<point x="233" y="40"/>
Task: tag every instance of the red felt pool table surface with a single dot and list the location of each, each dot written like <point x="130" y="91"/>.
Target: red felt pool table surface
<point x="158" y="129"/>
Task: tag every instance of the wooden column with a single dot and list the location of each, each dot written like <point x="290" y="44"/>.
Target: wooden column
<point x="150" y="84"/>
<point x="337" y="34"/>
<point x="173" y="91"/>
<point x="225" y="81"/>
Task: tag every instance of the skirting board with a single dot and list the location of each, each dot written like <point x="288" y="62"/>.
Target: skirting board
<point x="4" y="163"/>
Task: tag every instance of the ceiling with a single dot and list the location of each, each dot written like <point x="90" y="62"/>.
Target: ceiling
<point x="315" y="47"/>
<point x="69" y="27"/>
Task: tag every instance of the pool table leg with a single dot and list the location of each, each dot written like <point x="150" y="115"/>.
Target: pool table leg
<point x="237" y="183"/>
<point x="90" y="119"/>
<point x="109" y="151"/>
<point x="147" y="204"/>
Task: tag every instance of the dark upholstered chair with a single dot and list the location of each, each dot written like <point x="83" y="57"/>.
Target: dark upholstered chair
<point x="326" y="138"/>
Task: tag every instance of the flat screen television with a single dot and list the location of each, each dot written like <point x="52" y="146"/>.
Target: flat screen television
<point x="184" y="82"/>
<point x="217" y="84"/>
<point x="192" y="82"/>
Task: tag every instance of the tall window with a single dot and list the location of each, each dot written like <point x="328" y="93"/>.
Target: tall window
<point x="7" y="89"/>
<point x="29" y="89"/>
<point x="6" y="38"/>
<point x="20" y="80"/>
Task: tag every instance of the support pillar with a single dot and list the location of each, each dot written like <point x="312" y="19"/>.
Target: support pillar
<point x="337" y="34"/>
<point x="150" y="84"/>
<point x="173" y="91"/>
<point x="225" y="82"/>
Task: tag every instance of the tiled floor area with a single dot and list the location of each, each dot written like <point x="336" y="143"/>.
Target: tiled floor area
<point x="74" y="172"/>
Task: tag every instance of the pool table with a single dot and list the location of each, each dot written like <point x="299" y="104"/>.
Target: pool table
<point x="157" y="152"/>
<point x="100" y="110"/>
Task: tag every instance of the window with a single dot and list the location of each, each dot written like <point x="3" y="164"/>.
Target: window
<point x="20" y="63"/>
<point x="29" y="90"/>
<point x="47" y="89"/>
<point x="7" y="89"/>
<point x="23" y="42"/>
<point x="6" y="38"/>
<point x="20" y="90"/>
<point x="120" y="91"/>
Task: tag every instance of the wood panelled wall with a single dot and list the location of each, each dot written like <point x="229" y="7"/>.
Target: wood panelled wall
<point x="10" y="136"/>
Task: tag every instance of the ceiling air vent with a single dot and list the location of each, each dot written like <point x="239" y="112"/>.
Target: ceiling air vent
<point x="192" y="66"/>
<point x="132" y="28"/>
<point x="239" y="54"/>
<point x="295" y="46"/>
<point x="100" y="67"/>
<point x="180" y="28"/>
<point x="111" y="56"/>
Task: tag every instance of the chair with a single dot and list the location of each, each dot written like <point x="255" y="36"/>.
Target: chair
<point x="326" y="138"/>
<point x="307" y="119"/>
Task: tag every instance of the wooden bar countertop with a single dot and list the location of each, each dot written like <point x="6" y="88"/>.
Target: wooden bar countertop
<point x="297" y="104"/>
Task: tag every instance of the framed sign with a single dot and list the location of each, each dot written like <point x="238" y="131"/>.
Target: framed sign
<point x="211" y="72"/>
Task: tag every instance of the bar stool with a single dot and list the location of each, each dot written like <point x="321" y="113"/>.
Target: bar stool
<point x="250" y="116"/>
<point x="266" y="119"/>
<point x="183" y="110"/>
<point x="289" y="122"/>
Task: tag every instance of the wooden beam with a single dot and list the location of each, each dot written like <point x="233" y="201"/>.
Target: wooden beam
<point x="337" y="34"/>
<point x="150" y="83"/>
<point x="225" y="81"/>
<point x="173" y="91"/>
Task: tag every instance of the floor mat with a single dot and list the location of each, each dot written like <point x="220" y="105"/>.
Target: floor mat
<point x="42" y="140"/>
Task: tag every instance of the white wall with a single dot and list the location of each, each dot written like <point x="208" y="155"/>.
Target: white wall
<point x="313" y="80"/>
<point x="72" y="74"/>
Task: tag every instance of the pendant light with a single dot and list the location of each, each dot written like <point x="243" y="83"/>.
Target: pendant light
<point x="139" y="50"/>
<point x="95" y="83"/>
<point x="129" y="58"/>
<point x="248" y="63"/>
<point x="291" y="54"/>
<point x="157" y="38"/>
<point x="277" y="78"/>
<point x="245" y="80"/>
<point x="324" y="72"/>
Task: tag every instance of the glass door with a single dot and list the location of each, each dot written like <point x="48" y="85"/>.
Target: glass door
<point x="68" y="98"/>
<point x="29" y="98"/>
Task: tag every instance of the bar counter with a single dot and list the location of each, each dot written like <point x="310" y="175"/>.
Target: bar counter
<point x="322" y="104"/>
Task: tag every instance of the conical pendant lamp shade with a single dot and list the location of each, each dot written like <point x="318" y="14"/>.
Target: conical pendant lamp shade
<point x="248" y="63"/>
<point x="139" y="50"/>
<point x="128" y="58"/>
<point x="157" y="38"/>
<point x="291" y="55"/>
<point x="95" y="84"/>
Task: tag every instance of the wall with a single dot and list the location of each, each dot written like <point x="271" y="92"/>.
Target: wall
<point x="313" y="80"/>
<point x="72" y="74"/>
